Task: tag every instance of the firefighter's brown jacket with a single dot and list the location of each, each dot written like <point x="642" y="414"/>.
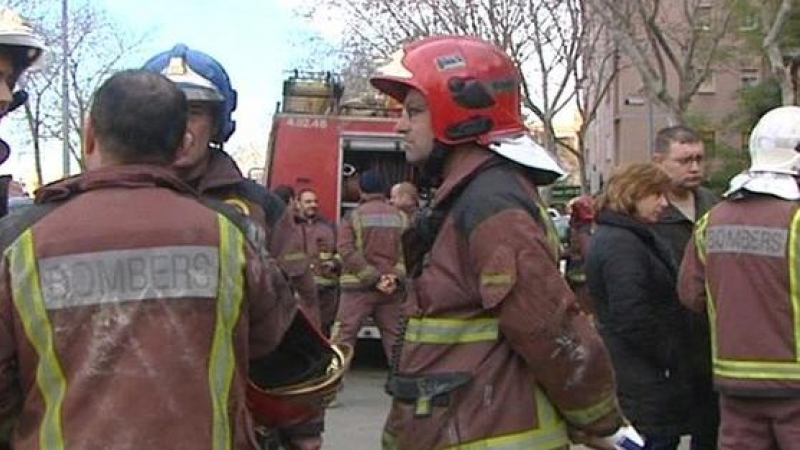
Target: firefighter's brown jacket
<point x="128" y="315"/>
<point x="369" y="243"/>
<point x="742" y="265"/>
<point x="319" y="244"/>
<point x="222" y="180"/>
<point x="496" y="350"/>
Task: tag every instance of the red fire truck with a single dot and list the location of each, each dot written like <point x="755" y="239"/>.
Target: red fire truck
<point x="321" y="141"/>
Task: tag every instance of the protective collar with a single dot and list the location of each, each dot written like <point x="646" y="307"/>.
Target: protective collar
<point x="778" y="184"/>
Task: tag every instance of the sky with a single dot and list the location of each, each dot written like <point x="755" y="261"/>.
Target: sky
<point x="257" y="41"/>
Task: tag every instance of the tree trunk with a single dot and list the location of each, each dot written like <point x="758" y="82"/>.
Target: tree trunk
<point x="36" y="140"/>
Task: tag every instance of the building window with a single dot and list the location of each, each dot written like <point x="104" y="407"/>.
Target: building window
<point x="749" y="77"/>
<point x="749" y="21"/>
<point x="702" y="20"/>
<point x="709" y="85"/>
<point x="709" y="138"/>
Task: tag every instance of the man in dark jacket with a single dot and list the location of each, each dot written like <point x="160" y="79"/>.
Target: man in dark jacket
<point x="130" y="310"/>
<point x="680" y="153"/>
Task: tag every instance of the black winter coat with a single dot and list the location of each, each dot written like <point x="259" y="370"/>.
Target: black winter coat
<point x="631" y="275"/>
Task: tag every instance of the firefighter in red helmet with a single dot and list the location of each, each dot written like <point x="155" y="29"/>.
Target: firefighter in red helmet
<point x="495" y="352"/>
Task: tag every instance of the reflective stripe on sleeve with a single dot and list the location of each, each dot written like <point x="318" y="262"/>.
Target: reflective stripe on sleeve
<point x="29" y="302"/>
<point x="757" y="370"/>
<point x="496" y="280"/>
<point x="359" y="278"/>
<point x="390" y="220"/>
<point x="587" y="416"/>
<point x="229" y="303"/>
<point x="322" y="281"/>
<point x="297" y="256"/>
<point x="451" y="331"/>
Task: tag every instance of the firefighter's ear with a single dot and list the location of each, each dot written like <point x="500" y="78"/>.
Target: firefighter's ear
<point x="186" y="145"/>
<point x="90" y="153"/>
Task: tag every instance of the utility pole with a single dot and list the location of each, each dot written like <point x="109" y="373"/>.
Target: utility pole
<point x="65" y="86"/>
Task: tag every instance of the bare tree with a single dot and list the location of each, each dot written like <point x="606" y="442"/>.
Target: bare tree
<point x="594" y="77"/>
<point x="783" y="62"/>
<point x="675" y="41"/>
<point x="96" y="46"/>
<point x="543" y="37"/>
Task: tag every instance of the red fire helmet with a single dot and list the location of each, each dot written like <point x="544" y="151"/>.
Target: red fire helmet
<point x="472" y="87"/>
<point x="582" y="209"/>
<point x="299" y="379"/>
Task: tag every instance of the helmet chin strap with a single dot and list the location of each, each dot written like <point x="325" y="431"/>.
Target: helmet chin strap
<point x="433" y="170"/>
<point x="17" y="99"/>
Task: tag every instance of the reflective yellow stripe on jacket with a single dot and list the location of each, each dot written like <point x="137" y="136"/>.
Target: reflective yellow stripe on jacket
<point x="700" y="237"/>
<point x="451" y="331"/>
<point x="229" y="305"/>
<point x="552" y="235"/>
<point x="30" y="305"/>
<point x="29" y="302"/>
<point x="754" y="369"/>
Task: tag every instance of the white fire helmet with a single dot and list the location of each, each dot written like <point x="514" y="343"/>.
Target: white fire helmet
<point x="15" y="32"/>
<point x="775" y="142"/>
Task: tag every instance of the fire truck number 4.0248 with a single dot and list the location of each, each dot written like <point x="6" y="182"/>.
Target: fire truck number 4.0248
<point x="306" y="122"/>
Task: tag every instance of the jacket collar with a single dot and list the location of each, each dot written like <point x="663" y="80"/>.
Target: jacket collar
<point x="460" y="167"/>
<point x="129" y="176"/>
<point x="221" y="171"/>
<point x="704" y="199"/>
<point x="643" y="232"/>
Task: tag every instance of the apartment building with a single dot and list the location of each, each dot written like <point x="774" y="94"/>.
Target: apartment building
<point x="627" y="121"/>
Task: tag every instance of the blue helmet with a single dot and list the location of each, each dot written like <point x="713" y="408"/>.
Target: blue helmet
<point x="202" y="79"/>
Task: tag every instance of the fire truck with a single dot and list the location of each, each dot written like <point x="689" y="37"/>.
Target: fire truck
<point x="322" y="140"/>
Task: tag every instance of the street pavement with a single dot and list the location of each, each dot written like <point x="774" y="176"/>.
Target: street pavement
<point x="356" y="423"/>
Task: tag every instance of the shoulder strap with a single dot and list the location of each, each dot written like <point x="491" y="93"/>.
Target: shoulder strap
<point x="273" y="206"/>
<point x="253" y="233"/>
<point x="430" y="220"/>
<point x="418" y="240"/>
<point x="13" y="225"/>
